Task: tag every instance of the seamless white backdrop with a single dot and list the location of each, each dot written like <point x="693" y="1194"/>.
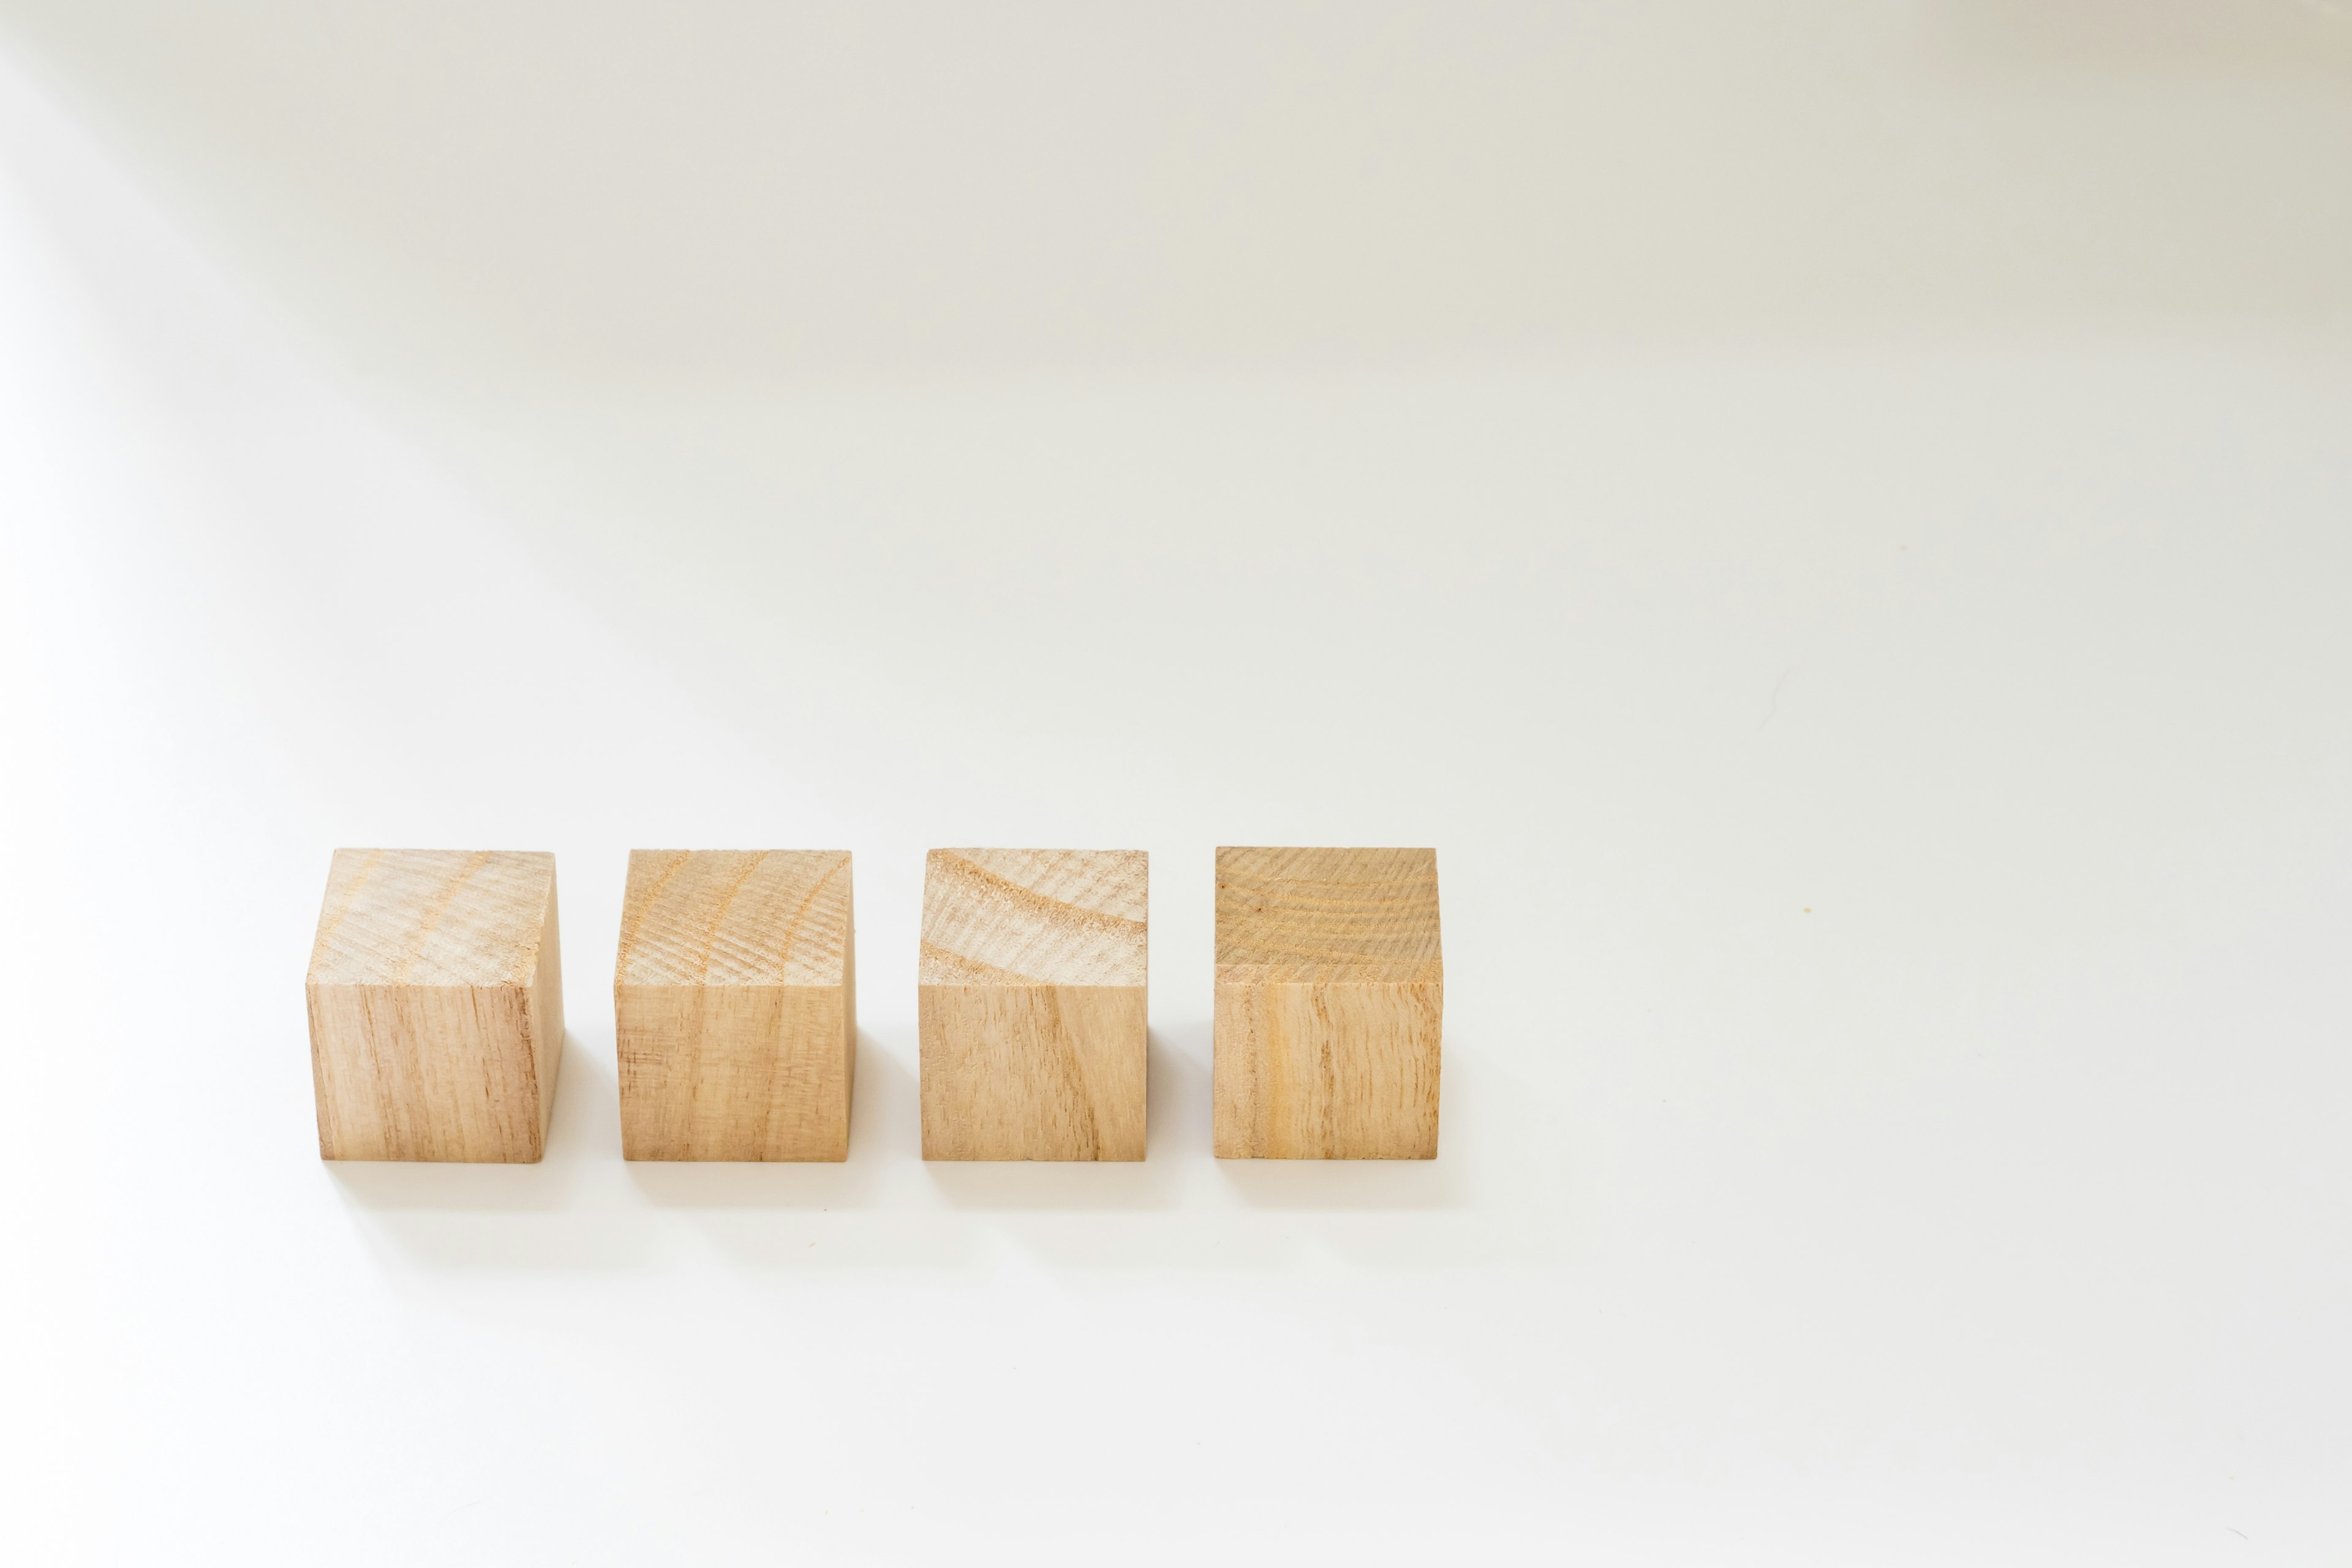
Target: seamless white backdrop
<point x="1889" y="787"/>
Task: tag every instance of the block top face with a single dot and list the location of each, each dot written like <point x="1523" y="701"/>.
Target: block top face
<point x="735" y="917"/>
<point x="1298" y="916"/>
<point x="1034" y="917"/>
<point x="433" y="917"/>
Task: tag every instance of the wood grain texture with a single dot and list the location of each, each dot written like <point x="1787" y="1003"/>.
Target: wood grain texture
<point x="435" y="994"/>
<point x="1329" y="1006"/>
<point x="735" y="1005"/>
<point x="1033" y="1003"/>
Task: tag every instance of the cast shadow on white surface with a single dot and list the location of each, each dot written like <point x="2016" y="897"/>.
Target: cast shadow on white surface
<point x="1347" y="1183"/>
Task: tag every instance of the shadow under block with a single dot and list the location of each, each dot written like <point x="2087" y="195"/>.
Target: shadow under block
<point x="1033" y="1003"/>
<point x="735" y="1003"/>
<point x="436" y="1005"/>
<point x="1330" y="993"/>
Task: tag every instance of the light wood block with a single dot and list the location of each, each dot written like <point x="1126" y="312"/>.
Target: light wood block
<point x="436" y="1005"/>
<point x="1330" y="992"/>
<point x="735" y="1000"/>
<point x="1033" y="1003"/>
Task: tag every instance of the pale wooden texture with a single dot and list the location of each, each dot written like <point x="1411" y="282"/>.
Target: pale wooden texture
<point x="1033" y="1015"/>
<point x="1331" y="995"/>
<point x="735" y="1001"/>
<point x="436" y="1005"/>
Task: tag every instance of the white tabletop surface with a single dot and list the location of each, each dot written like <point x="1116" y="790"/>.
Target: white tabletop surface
<point x="1884" y="730"/>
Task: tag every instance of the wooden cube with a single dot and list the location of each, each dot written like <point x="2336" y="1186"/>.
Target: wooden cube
<point x="735" y="1000"/>
<point x="436" y="1005"/>
<point x="1033" y="1003"/>
<point x="1331" y="991"/>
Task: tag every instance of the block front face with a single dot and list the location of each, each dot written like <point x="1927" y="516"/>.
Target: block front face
<point x="1032" y="1072"/>
<point x="425" y="1072"/>
<point x="1331" y="1000"/>
<point x="735" y="1072"/>
<point x="436" y="1005"/>
<point x="1326" y="1071"/>
<point x="735" y="1005"/>
<point x="1033" y="1003"/>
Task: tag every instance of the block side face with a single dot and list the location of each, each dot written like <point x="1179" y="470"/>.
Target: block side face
<point x="1344" y="915"/>
<point x="848" y="1024"/>
<point x="432" y="918"/>
<point x="1328" y="1072"/>
<point x="733" y="1073"/>
<point x="434" y="1073"/>
<point x="1036" y="917"/>
<point x="1048" y="1072"/>
<point x="545" y="1018"/>
<point x="730" y="917"/>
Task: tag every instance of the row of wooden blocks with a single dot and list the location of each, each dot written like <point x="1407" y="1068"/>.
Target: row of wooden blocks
<point x="437" y="1005"/>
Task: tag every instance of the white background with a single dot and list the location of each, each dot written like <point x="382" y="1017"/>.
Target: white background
<point x="1832" y="518"/>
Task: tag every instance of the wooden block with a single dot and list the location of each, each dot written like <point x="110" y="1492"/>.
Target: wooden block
<point x="736" y="1004"/>
<point x="1033" y="1003"/>
<point x="1331" y="991"/>
<point x="436" y="1005"/>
